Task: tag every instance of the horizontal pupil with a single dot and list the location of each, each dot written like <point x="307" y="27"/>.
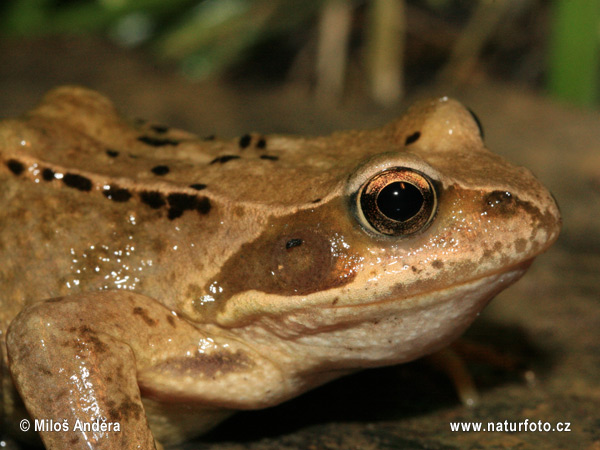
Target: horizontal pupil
<point x="400" y="201"/>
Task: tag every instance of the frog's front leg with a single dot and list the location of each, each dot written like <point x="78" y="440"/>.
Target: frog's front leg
<point x="85" y="358"/>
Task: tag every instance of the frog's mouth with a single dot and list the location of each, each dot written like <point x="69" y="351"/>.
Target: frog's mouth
<point x="385" y="331"/>
<point x="310" y="315"/>
<point x="503" y="278"/>
<point x="391" y="331"/>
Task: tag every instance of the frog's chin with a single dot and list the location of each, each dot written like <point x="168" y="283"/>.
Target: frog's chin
<point x="389" y="332"/>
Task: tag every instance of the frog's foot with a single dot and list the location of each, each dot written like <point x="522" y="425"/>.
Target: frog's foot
<point x="451" y="361"/>
<point x="116" y="357"/>
<point x="78" y="382"/>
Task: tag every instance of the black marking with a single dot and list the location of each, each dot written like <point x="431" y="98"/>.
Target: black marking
<point x="224" y="158"/>
<point x="174" y="213"/>
<point x="261" y="143"/>
<point x="198" y="186"/>
<point x="157" y="142"/>
<point x="112" y="153"/>
<point x="182" y="201"/>
<point x="160" y="170"/>
<point x="269" y="157"/>
<point x="118" y="195"/>
<point x="203" y="206"/>
<point x="161" y="129"/>
<point x="15" y="166"/>
<point x="210" y="137"/>
<point x="245" y="141"/>
<point x="316" y="200"/>
<point x="293" y="243"/>
<point x="179" y="203"/>
<point x="77" y="181"/>
<point x="478" y="122"/>
<point x="412" y="138"/>
<point x="153" y="199"/>
<point x="48" y="174"/>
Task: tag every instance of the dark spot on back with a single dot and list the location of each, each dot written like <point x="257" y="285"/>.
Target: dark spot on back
<point x="116" y="194"/>
<point x="112" y="153"/>
<point x="203" y="206"/>
<point x="223" y="159"/>
<point x="437" y="264"/>
<point x="210" y="137"/>
<point x="198" y="186"/>
<point x="77" y="181"/>
<point x="412" y="138"/>
<point x="48" y="174"/>
<point x="261" y="143"/>
<point x="245" y="141"/>
<point x="335" y="300"/>
<point x="182" y="201"/>
<point x="161" y="129"/>
<point x="143" y="314"/>
<point x="293" y="243"/>
<point x="153" y="199"/>
<point x="15" y="166"/>
<point x="160" y="170"/>
<point x="157" y="142"/>
<point x="178" y="203"/>
<point x="174" y="213"/>
<point x="316" y="200"/>
<point x="269" y="157"/>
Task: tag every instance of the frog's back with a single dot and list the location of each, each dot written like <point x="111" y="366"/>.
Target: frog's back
<point x="92" y="201"/>
<point x="87" y="202"/>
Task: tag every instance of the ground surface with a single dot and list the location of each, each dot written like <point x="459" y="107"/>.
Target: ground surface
<point x="549" y="322"/>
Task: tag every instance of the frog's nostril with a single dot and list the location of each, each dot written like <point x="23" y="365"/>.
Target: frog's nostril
<point x="500" y="202"/>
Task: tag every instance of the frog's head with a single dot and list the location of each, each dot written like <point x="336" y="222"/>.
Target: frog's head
<point x="422" y="227"/>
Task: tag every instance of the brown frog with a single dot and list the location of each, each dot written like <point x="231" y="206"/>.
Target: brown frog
<point x="154" y="282"/>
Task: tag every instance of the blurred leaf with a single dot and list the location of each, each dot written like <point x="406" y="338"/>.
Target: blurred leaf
<point x="574" y="72"/>
<point x="218" y="32"/>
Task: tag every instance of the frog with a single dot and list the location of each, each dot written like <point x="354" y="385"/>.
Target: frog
<point x="155" y="282"/>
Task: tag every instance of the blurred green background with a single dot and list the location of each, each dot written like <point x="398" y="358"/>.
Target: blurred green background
<point x="393" y="45"/>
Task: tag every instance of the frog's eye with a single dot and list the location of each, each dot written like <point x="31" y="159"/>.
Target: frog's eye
<point x="397" y="202"/>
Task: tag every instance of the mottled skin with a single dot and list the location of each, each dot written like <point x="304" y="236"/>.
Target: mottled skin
<point x="161" y="281"/>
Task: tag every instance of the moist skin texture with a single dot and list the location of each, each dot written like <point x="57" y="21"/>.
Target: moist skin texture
<point x="160" y="281"/>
